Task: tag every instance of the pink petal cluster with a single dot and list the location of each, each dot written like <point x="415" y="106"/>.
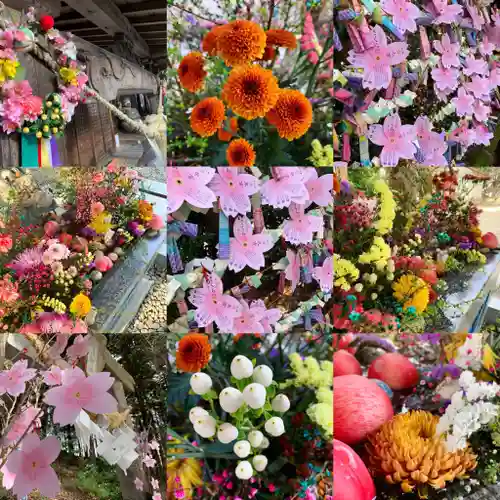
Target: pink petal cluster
<point x="189" y="184"/>
<point x="446" y="14"/>
<point x="80" y="347"/>
<point x="286" y="187"/>
<point x="300" y="228"/>
<point x="29" y="417"/>
<point x="403" y="13"/>
<point x="8" y="290"/>
<point x="463" y="102"/>
<point x="319" y="188"/>
<point x="50" y="322"/>
<point x="249" y="320"/>
<point x="449" y="51"/>
<point x="13" y="381"/>
<point x="324" y="275"/>
<point x="292" y="271"/>
<point x="432" y="145"/>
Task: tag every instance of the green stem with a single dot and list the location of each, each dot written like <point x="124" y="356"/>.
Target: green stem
<point x="312" y="78"/>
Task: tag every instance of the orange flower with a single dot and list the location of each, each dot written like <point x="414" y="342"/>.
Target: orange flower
<point x="250" y="91"/>
<point x="240" y="153"/>
<point x="207" y="116"/>
<point x="193" y="352"/>
<point x="241" y="42"/>
<point x="191" y="72"/>
<point x="209" y="43"/>
<point x="225" y="135"/>
<point x="281" y="38"/>
<point x="269" y="53"/>
<point x="292" y="115"/>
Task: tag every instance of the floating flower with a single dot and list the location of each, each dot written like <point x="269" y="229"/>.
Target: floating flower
<point x="207" y="116"/>
<point x="191" y="72"/>
<point x="189" y="184"/>
<point x="324" y="275"/>
<point x="449" y="51"/>
<point x="193" y="353"/>
<point x="80" y="305"/>
<point x="250" y="91"/>
<point x="287" y="186"/>
<point x="281" y="38"/>
<point x="301" y="227"/>
<point x="291" y="115"/>
<point x="241" y="42"/>
<point x="240" y="153"/>
<point x="403" y="13"/>
<point x="13" y="381"/>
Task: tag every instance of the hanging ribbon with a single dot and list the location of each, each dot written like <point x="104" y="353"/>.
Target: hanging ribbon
<point x="174" y="255"/>
<point x="223" y="236"/>
<point x="258" y="218"/>
<point x="174" y="231"/>
<point x="29" y="151"/>
<point x="346" y="148"/>
<point x="364" y="152"/>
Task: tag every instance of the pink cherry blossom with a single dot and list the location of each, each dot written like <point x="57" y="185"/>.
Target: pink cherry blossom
<point x="79" y="392"/>
<point x="479" y="86"/>
<point x="445" y="78"/>
<point x="319" y="188"/>
<point x="403" y="14"/>
<point x="80" y="347"/>
<point x="377" y="60"/>
<point x="485" y="47"/>
<point x="477" y="20"/>
<point x="139" y="485"/>
<point x="463" y="102"/>
<point x="395" y="138"/>
<point x="481" y="111"/>
<point x="288" y="186"/>
<point x="449" y="51"/>
<point x="269" y="316"/>
<point x="495" y="77"/>
<point x="246" y="248"/>
<point x="432" y="145"/>
<point x="53" y="376"/>
<point x="30" y="466"/>
<point x="234" y="190"/>
<point x="189" y="184"/>
<point x="212" y="305"/>
<point x="249" y="319"/>
<point x="149" y="461"/>
<point x="446" y="14"/>
<point x="155" y="484"/>
<point x="473" y="65"/>
<point x="324" y="275"/>
<point x="466" y="136"/>
<point x="29" y="417"/>
<point x="483" y="135"/>
<point x="154" y="445"/>
<point x="157" y="496"/>
<point x="300" y="228"/>
<point x="292" y="271"/>
<point x="13" y="381"/>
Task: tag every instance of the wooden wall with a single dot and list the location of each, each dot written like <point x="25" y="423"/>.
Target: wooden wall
<point x="88" y="140"/>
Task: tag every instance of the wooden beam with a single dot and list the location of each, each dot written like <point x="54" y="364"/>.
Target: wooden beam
<point x="83" y="32"/>
<point x="106" y="15"/>
<point x="118" y="371"/>
<point x="141" y="8"/>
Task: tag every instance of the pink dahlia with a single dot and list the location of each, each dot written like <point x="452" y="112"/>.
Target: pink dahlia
<point x="26" y="261"/>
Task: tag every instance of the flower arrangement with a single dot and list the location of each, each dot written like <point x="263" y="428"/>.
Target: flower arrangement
<point x="50" y="269"/>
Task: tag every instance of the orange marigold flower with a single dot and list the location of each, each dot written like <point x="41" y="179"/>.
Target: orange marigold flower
<point x="241" y="42"/>
<point x="207" y="116"/>
<point x="193" y="352"/>
<point x="269" y="53"/>
<point x="292" y="115"/>
<point x="240" y="153"/>
<point x="250" y="91"/>
<point x="191" y="72"/>
<point x="209" y="43"/>
<point x="281" y="38"/>
<point x="225" y="135"/>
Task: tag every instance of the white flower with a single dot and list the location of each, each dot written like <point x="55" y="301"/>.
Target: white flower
<point x="373" y="296"/>
<point x="466" y="379"/>
<point x="391" y="266"/>
<point x="453" y="443"/>
<point x="469" y="355"/>
<point x="255" y="395"/>
<point x="196" y="412"/>
<point x="263" y="375"/>
<point x="281" y="403"/>
<point x="205" y="426"/>
<point x="259" y="462"/>
<point x="230" y="399"/>
<point x="201" y="383"/>
<point x="242" y="448"/>
<point x="264" y="444"/>
<point x="487" y="411"/>
<point x="255" y="438"/>
<point x="373" y="278"/>
<point x="227" y="433"/>
<point x="241" y="367"/>
<point x="358" y="287"/>
<point x="244" y="470"/>
<point x="275" y="426"/>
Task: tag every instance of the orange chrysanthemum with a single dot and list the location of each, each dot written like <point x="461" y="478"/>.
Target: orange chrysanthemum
<point x="209" y="43"/>
<point x="269" y="53"/>
<point x="241" y="42"/>
<point x="240" y="153"/>
<point x="292" y="115"/>
<point x="250" y="91"/>
<point x="225" y="135"/>
<point x="191" y="72"/>
<point x="281" y="38"/>
<point x="207" y="116"/>
<point x="193" y="353"/>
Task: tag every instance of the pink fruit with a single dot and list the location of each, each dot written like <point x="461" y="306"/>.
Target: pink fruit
<point x="351" y="480"/>
<point x="361" y="407"/>
<point x="345" y="363"/>
<point x="103" y="263"/>
<point x="490" y="240"/>
<point x="396" y="370"/>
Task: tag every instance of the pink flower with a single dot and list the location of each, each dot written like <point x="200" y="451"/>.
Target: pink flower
<point x="80" y="326"/>
<point x="319" y="188"/>
<point x="156" y="222"/>
<point x="53" y="376"/>
<point x="485" y="47"/>
<point x="432" y="145"/>
<point x="56" y="251"/>
<point x="88" y="284"/>
<point x="79" y="392"/>
<point x="25" y="261"/>
<point x="483" y="135"/>
<point x="403" y="14"/>
<point x="96" y="208"/>
<point x="131" y="174"/>
<point x="5" y="243"/>
<point x="103" y="263"/>
<point x="445" y="78"/>
<point x="99" y="177"/>
<point x="324" y="275"/>
<point x="246" y="248"/>
<point x="30" y="465"/>
<point x="8" y="290"/>
<point x="13" y="381"/>
<point x="301" y="227"/>
<point x="466" y="136"/>
<point x="80" y="347"/>
<point x="234" y="190"/>
<point x="377" y="60"/>
<point x="449" y="51"/>
<point x="286" y="187"/>
<point x="481" y="111"/>
<point x="473" y="65"/>
<point x="32" y="107"/>
<point x="249" y="320"/>
<point x="395" y="138"/>
<point x="157" y="496"/>
<point x="155" y="484"/>
<point x="149" y="461"/>
<point x="18" y="89"/>
<point x="154" y="445"/>
<point x="479" y="86"/>
<point x="477" y="20"/>
<point x="51" y="228"/>
<point x="189" y="184"/>
<point x="213" y="305"/>
<point x="112" y="167"/>
<point x="271" y="487"/>
<point x="292" y="271"/>
<point x="121" y="200"/>
<point x="446" y="14"/>
<point x="269" y="316"/>
<point x="463" y="102"/>
<point x="139" y="485"/>
<point x="28" y="417"/>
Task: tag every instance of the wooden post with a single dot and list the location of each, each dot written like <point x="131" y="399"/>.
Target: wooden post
<point x="3" y="346"/>
<point x="95" y="358"/>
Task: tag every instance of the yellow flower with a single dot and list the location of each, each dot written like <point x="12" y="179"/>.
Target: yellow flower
<point x="101" y="223"/>
<point x="489" y="358"/>
<point x="387" y="209"/>
<point x="412" y="291"/>
<point x="310" y="373"/>
<point x="322" y="412"/>
<point x="378" y="254"/>
<point x="345" y="272"/>
<point x="145" y="210"/>
<point x="81" y="305"/>
<point x="322" y="156"/>
<point x="8" y="69"/>
<point x="68" y="75"/>
<point x="188" y="472"/>
<point x="451" y="348"/>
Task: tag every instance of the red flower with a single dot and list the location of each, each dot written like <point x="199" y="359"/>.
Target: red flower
<point x="32" y="107"/>
<point x="46" y="23"/>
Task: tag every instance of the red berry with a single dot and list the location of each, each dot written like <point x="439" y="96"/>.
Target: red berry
<point x="46" y="22"/>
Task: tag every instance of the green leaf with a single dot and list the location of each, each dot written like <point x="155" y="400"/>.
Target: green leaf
<point x="271" y="391"/>
<point x="211" y="394"/>
<point x="257" y="413"/>
<point x="267" y="415"/>
<point x="268" y="406"/>
<point x="254" y="361"/>
<point x="233" y="380"/>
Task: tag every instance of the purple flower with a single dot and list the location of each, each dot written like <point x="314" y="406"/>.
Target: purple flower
<point x="466" y="246"/>
<point x="88" y="232"/>
<point x="367" y="337"/>
<point x="135" y="228"/>
<point x="440" y="371"/>
<point x="433" y="338"/>
<point x="345" y="187"/>
<point x="191" y="19"/>
<point x="26" y="261"/>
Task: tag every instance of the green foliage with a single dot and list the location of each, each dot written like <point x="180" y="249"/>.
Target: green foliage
<point x="99" y="479"/>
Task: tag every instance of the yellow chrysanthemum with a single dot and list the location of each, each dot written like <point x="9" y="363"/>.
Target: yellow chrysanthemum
<point x="344" y="272"/>
<point x="387" y="209"/>
<point x="81" y="305"/>
<point x="68" y="75"/>
<point x="101" y="223"/>
<point x="183" y="476"/>
<point x="412" y="291"/>
<point x="8" y="69"/>
<point x="378" y="254"/>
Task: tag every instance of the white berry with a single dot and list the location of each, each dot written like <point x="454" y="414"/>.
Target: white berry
<point x="255" y="438"/>
<point x="227" y="433"/>
<point x="275" y="426"/>
<point x="205" y="426"/>
<point x="259" y="462"/>
<point x="195" y="412"/>
<point x="244" y="470"/>
<point x="201" y="383"/>
<point x="241" y="367"/>
<point x="255" y="395"/>
<point x="280" y="403"/>
<point x="263" y="375"/>
<point x="230" y="399"/>
<point x="242" y="448"/>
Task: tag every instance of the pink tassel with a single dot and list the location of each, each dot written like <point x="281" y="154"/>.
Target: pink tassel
<point x="346" y="149"/>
